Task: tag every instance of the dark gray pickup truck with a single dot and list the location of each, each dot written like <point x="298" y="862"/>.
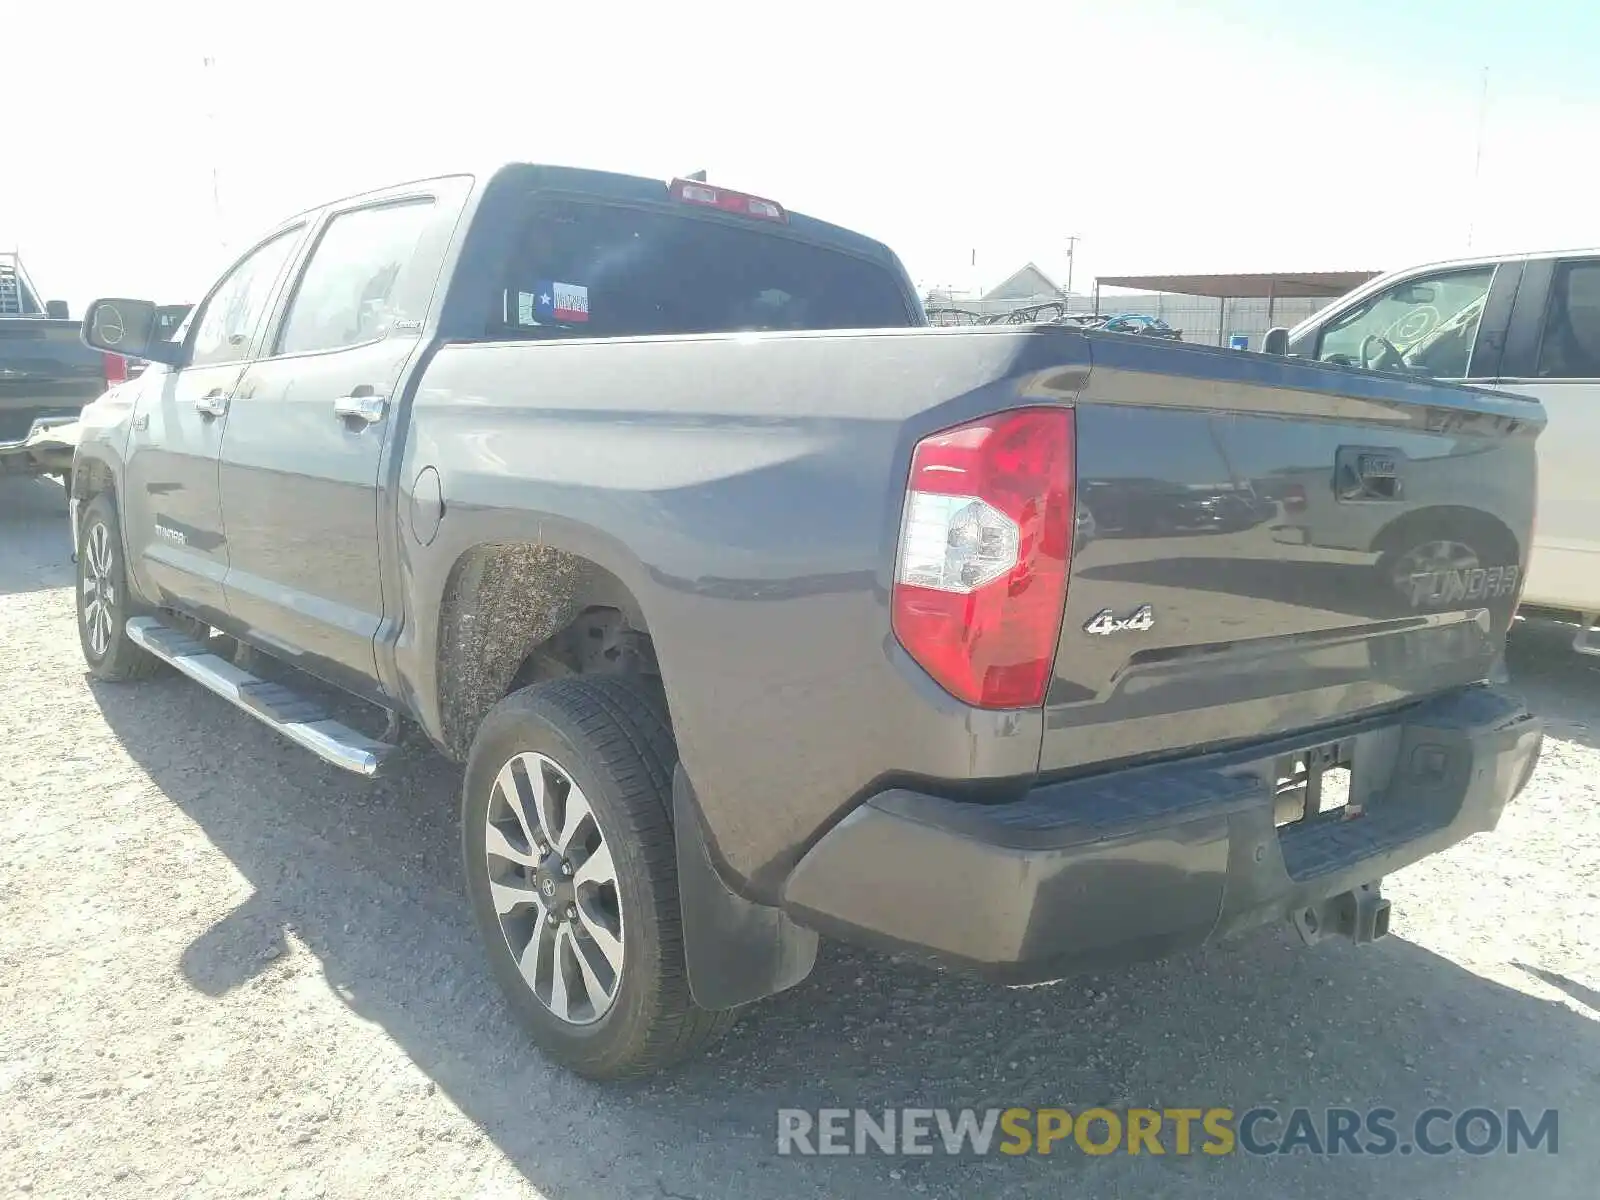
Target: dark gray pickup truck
<point x="758" y="610"/>
<point x="46" y="375"/>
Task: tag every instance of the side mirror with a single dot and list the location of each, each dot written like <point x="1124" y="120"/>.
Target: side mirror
<point x="1275" y="341"/>
<point x="57" y="310"/>
<point x="131" y="328"/>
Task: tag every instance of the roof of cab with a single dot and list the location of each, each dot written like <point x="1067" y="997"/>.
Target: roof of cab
<point x="613" y="185"/>
<point x="639" y="189"/>
<point x="1487" y="260"/>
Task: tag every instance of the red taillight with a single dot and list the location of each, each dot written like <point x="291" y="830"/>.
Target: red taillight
<point x="691" y="191"/>
<point x="116" y="369"/>
<point x="981" y="571"/>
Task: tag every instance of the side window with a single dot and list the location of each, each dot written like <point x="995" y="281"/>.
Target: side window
<point x="347" y="294"/>
<point x="232" y="317"/>
<point x="1425" y="325"/>
<point x="1570" y="346"/>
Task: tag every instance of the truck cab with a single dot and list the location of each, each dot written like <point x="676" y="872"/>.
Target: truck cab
<point x="1527" y="324"/>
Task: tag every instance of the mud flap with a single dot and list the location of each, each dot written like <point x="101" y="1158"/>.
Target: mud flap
<point x="736" y="950"/>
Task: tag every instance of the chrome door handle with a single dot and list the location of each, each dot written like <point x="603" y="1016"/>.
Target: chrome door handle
<point x="213" y="404"/>
<point x="361" y="408"/>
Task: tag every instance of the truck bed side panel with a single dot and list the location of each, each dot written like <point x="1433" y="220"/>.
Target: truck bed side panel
<point x="747" y="490"/>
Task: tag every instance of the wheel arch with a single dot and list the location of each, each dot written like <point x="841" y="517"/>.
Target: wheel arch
<point x="515" y="612"/>
<point x="1495" y="540"/>
<point x="90" y="477"/>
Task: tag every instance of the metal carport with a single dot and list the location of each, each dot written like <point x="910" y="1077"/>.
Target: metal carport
<point x="1266" y="285"/>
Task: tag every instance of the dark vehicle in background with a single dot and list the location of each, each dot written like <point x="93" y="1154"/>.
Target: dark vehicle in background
<point x="1134" y="507"/>
<point x="758" y="611"/>
<point x="47" y="375"/>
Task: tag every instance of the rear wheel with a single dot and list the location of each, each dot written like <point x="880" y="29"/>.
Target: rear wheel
<point x="104" y="601"/>
<point x="571" y="869"/>
<point x="1422" y="552"/>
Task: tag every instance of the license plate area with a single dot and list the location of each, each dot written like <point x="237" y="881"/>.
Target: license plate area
<point x="1313" y="785"/>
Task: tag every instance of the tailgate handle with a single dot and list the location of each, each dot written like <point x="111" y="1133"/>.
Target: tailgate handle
<point x="1369" y="473"/>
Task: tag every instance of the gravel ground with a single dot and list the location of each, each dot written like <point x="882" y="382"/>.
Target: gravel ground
<point x="229" y="970"/>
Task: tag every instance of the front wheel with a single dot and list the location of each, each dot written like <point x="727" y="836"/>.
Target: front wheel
<point x="571" y="869"/>
<point x="104" y="601"/>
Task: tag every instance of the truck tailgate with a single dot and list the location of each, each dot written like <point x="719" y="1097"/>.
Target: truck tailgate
<point x="45" y="370"/>
<point x="1264" y="545"/>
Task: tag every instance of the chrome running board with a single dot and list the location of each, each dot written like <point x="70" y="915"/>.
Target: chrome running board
<point x="301" y="719"/>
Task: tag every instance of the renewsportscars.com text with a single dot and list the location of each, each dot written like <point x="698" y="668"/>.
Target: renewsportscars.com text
<point x="1261" y="1130"/>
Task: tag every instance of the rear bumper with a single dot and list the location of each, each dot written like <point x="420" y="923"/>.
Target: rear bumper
<point x="1149" y="860"/>
<point x="47" y="448"/>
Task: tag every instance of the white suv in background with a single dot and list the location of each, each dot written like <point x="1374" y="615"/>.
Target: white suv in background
<point x="1528" y="324"/>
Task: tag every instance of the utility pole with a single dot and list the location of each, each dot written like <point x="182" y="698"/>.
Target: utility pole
<point x="1477" y="161"/>
<point x="1072" y="247"/>
<point x="209" y="85"/>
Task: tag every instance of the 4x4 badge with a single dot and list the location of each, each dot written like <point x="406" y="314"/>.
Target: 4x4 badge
<point x="1106" y="621"/>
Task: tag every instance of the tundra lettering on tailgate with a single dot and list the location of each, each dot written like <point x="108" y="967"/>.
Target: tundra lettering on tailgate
<point x="1447" y="587"/>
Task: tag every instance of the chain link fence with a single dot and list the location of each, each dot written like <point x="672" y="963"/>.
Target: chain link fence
<point x="1201" y="319"/>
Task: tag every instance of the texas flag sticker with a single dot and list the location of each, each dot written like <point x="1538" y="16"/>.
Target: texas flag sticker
<point x="567" y="302"/>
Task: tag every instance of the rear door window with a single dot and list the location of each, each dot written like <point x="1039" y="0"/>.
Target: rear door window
<point x="1570" y="345"/>
<point x="585" y="269"/>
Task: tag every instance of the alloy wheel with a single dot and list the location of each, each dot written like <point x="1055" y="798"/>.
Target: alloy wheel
<point x="554" y="887"/>
<point x="99" y="599"/>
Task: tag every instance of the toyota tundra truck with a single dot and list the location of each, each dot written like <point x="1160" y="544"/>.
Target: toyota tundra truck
<point x="756" y="610"/>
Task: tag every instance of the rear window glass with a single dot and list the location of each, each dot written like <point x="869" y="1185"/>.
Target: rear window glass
<point x="597" y="270"/>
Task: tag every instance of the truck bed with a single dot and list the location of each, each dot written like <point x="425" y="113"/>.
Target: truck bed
<point x="748" y="491"/>
<point x="45" y="371"/>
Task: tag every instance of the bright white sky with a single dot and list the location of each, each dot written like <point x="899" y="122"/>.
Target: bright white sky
<point x="1172" y="136"/>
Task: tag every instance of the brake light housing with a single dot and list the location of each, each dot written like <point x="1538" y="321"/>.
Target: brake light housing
<point x="115" y="369"/>
<point x="741" y="204"/>
<point x="980" y="580"/>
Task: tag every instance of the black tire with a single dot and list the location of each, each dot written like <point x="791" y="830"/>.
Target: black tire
<point x="611" y="735"/>
<point x="119" y="659"/>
